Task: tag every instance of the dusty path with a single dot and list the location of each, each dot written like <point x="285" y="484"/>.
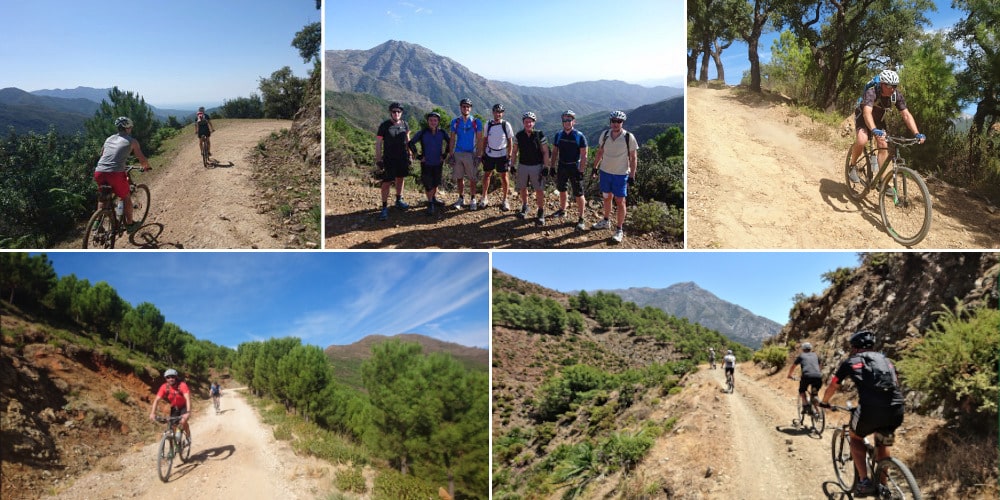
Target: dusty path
<point x="233" y="456"/>
<point x="755" y="181"/>
<point x="195" y="207"/>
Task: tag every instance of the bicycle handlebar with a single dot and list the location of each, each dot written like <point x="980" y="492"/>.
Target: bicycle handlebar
<point x="168" y="419"/>
<point x="129" y="168"/>
<point x="847" y="408"/>
<point x="902" y="141"/>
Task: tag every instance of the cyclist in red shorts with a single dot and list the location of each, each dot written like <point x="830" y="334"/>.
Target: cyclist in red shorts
<point x="177" y="393"/>
<point x="111" y="167"/>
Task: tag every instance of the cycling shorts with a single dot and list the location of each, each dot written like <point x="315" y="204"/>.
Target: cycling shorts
<point x="430" y="176"/>
<point x="883" y="420"/>
<point x="117" y="180"/>
<point x="731" y="369"/>
<point x="569" y="175"/>
<point x="394" y="168"/>
<point x="499" y="164"/>
<point x="176" y="412"/>
<point x="204" y="133"/>
<point x="814" y="382"/>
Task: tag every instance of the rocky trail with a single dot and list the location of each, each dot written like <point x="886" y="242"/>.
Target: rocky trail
<point x="233" y="456"/>
<point x="761" y="175"/>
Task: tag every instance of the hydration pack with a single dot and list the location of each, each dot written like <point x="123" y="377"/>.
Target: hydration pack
<point x="503" y="126"/>
<point x="628" y="138"/>
<point x="878" y="372"/>
<point x="874" y="83"/>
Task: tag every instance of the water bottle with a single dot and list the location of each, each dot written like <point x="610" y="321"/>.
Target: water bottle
<point x="874" y="161"/>
<point x="119" y="208"/>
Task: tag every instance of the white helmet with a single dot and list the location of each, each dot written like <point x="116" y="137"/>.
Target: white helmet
<point x="123" y="122"/>
<point x="889" y="77"/>
<point x="170" y="373"/>
<point x="729" y="351"/>
<point x="528" y="114"/>
<point x="617" y="115"/>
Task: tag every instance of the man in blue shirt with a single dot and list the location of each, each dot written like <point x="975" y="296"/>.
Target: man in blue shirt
<point x="569" y="157"/>
<point x="466" y="136"/>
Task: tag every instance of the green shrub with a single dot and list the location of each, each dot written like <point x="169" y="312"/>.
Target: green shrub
<point x="624" y="451"/>
<point x="391" y="485"/>
<point x="657" y="217"/>
<point x="351" y="480"/>
<point x="838" y="277"/>
<point x="773" y="357"/>
<point x="121" y="396"/>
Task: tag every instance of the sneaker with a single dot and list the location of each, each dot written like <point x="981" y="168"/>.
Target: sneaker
<point x="864" y="487"/>
<point x="400" y="204"/>
<point x="505" y="206"/>
<point x="559" y="214"/>
<point x="619" y="236"/>
<point x="384" y="214"/>
<point x="472" y="204"/>
<point x="459" y="204"/>
<point x="603" y="224"/>
<point x="853" y="175"/>
<point x="438" y="202"/>
<point x="430" y="209"/>
<point x="540" y="219"/>
<point x="580" y="225"/>
<point x="485" y="203"/>
<point x="523" y="214"/>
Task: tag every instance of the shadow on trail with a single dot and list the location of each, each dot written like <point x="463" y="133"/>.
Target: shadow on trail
<point x="796" y="430"/>
<point x="146" y="237"/>
<point x="833" y="490"/>
<point x="197" y="459"/>
<point x="215" y="163"/>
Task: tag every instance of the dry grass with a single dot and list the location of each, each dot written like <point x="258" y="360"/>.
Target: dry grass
<point x="955" y="459"/>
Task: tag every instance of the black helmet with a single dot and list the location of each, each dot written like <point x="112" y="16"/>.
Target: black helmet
<point x="395" y="105"/>
<point x="465" y="101"/>
<point x="432" y="113"/>
<point x="498" y="107"/>
<point x="863" y="340"/>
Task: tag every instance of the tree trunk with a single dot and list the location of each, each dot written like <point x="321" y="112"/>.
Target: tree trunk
<point x="706" y="51"/>
<point x="717" y="57"/>
<point x="692" y="63"/>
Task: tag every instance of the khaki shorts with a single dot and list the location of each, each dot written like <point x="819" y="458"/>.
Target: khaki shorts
<point x="529" y="174"/>
<point x="464" y="168"/>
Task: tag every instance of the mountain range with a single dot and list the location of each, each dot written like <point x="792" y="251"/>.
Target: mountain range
<point x="688" y="300"/>
<point x="412" y="74"/>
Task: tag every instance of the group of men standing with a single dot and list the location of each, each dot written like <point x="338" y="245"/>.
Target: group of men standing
<point x="528" y="155"/>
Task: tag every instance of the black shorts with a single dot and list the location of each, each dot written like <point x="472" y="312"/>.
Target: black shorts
<point x="395" y="167"/>
<point x="490" y="163"/>
<point x="204" y="133"/>
<point x="430" y="175"/>
<point x="176" y="412"/>
<point x="883" y="420"/>
<point x="570" y="175"/>
<point x="814" y="382"/>
<point x="731" y="369"/>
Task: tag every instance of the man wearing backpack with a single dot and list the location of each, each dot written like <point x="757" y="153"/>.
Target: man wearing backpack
<point x="177" y="393"/>
<point x="569" y="158"/>
<point x="203" y="129"/>
<point x="496" y="154"/>
<point x="392" y="157"/>
<point x="531" y="149"/>
<point x="434" y="147"/>
<point x="880" y="402"/>
<point x="616" y="157"/>
<point x="466" y="136"/>
<point x="869" y="116"/>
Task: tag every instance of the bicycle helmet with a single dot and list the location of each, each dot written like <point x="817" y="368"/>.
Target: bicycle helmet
<point x="170" y="373"/>
<point x="529" y="114"/>
<point x="618" y="115"/>
<point x="569" y="113"/>
<point x="395" y="105"/>
<point x="807" y="346"/>
<point x="889" y="77"/>
<point x="729" y="351"/>
<point x="863" y="340"/>
<point x="498" y="108"/>
<point x="465" y="101"/>
<point x="123" y="122"/>
<point x="434" y="114"/>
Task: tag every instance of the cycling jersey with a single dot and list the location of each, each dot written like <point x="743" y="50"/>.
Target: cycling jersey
<point x="529" y="148"/>
<point x="465" y="133"/>
<point x="433" y="145"/>
<point x="729" y="361"/>
<point x="393" y="137"/>
<point x="569" y="145"/>
<point x="810" y="364"/>
<point x="216" y="390"/>
<point x="879" y="104"/>
<point x="202" y="121"/>
<point x="868" y="396"/>
<point x="176" y="396"/>
<point x="115" y="153"/>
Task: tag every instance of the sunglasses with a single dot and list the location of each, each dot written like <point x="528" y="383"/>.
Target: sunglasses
<point x="567" y="120"/>
<point x="466" y="106"/>
<point x="396" y="111"/>
<point x="617" y="121"/>
<point x="171" y="377"/>
<point x="890" y="86"/>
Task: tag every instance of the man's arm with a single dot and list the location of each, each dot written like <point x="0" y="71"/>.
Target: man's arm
<point x="152" y="410"/>
<point x="910" y="123"/>
<point x="137" y="151"/>
<point x="831" y="390"/>
<point x="583" y="159"/>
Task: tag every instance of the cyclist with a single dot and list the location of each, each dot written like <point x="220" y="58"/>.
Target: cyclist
<point x="570" y="154"/>
<point x="531" y="149"/>
<point x="729" y="364"/>
<point x="880" y="402"/>
<point x="711" y="356"/>
<point x="175" y="392"/>
<point x="617" y="158"/>
<point x="216" y="391"/>
<point x="392" y="156"/>
<point x="498" y="133"/>
<point x="111" y="166"/>
<point x="869" y="117"/>
<point x="466" y="137"/>
<point x="434" y="147"/>
<point x="812" y="375"/>
<point x="203" y="129"/>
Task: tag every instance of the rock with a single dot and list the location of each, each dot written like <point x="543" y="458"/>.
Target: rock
<point x="709" y="472"/>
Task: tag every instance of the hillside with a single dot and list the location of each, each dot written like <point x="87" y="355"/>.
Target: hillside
<point x="646" y="121"/>
<point x="28" y="112"/>
<point x="410" y="73"/>
<point x="688" y="300"/>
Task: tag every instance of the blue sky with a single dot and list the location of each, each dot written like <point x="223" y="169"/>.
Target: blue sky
<point x="528" y="43"/>
<point x="178" y="53"/>
<point x="323" y="298"/>
<point x="762" y="282"/>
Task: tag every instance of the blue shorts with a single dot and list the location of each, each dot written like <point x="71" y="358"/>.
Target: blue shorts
<point x="614" y="184"/>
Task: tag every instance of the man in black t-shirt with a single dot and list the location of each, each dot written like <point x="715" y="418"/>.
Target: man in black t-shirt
<point x="812" y="375"/>
<point x="880" y="409"/>
<point x="531" y="149"/>
<point x="869" y="117"/>
<point x="392" y="157"/>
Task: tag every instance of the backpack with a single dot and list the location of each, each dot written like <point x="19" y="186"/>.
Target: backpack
<point x="472" y="123"/>
<point x="878" y="372"/>
<point x="503" y="125"/>
<point x="874" y="83"/>
<point x="628" y="139"/>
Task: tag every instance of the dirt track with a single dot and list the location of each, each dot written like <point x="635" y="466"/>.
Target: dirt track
<point x="195" y="207"/>
<point x="754" y="181"/>
<point x="233" y="456"/>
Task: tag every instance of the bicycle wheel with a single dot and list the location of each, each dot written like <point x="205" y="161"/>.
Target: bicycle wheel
<point x="165" y="457"/>
<point x="140" y="203"/>
<point x="204" y="152"/>
<point x="857" y="190"/>
<point x="100" y="231"/>
<point x="818" y="417"/>
<point x="905" y="203"/>
<point x="843" y="465"/>
<point x="896" y="481"/>
<point x="183" y="447"/>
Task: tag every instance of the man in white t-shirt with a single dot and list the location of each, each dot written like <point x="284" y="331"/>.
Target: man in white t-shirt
<point x="498" y="139"/>
<point x="617" y="159"/>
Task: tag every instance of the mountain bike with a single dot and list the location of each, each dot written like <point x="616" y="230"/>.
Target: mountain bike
<point x="107" y="224"/>
<point x="904" y="201"/>
<point x="173" y="443"/>
<point x="730" y="382"/>
<point x="892" y="477"/>
<point x="203" y="145"/>
<point x="812" y="411"/>
<point x="215" y="401"/>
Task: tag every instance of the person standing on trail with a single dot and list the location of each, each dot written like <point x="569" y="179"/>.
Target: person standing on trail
<point x="869" y="117"/>
<point x="177" y="393"/>
<point x="617" y="158"/>
<point x="569" y="156"/>
<point x="111" y="167"/>
<point x="466" y="137"/>
<point x="812" y="374"/>
<point x="711" y="356"/>
<point x="496" y="148"/>
<point x="203" y="129"/>
<point x="434" y="148"/>
<point x="880" y="402"/>
<point x="531" y="149"/>
<point x="392" y="157"/>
